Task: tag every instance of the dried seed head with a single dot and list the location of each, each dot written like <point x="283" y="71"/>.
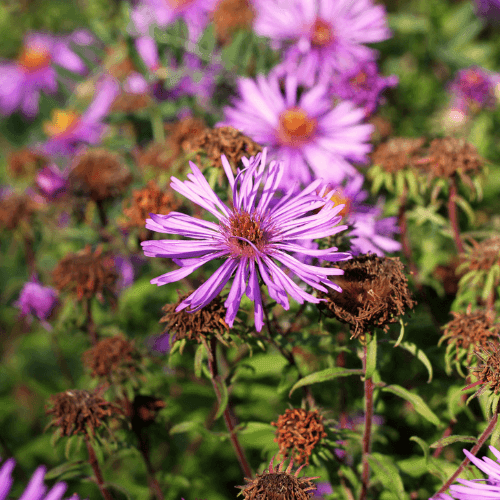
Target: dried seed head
<point x="112" y="358"/>
<point x="483" y="256"/>
<point x="87" y="273"/>
<point x="230" y="16"/>
<point x="448" y="276"/>
<point x="298" y="432"/>
<point x="488" y="370"/>
<point x="397" y="153"/>
<point x="15" y="208"/>
<point x="80" y="411"/>
<point x="199" y="325"/>
<point x="129" y="102"/>
<point x="155" y="155"/>
<point x="374" y="293"/>
<point x="25" y="162"/>
<point x="148" y="200"/>
<point x="279" y="484"/>
<point x="180" y="134"/>
<point x="224" y="141"/>
<point x="99" y="174"/>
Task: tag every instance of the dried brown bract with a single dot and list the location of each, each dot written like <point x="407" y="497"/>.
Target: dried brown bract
<point x="279" y="484"/>
<point x="99" y="174"/>
<point x="488" y="370"/>
<point x="111" y="358"/>
<point x="224" y="141"/>
<point x="180" y="134"/>
<point x="155" y="155"/>
<point x="397" y="153"/>
<point x="25" y="162"/>
<point x="80" y="411"/>
<point x="230" y="16"/>
<point x="15" y="208"/>
<point x="374" y="293"/>
<point x="129" y="102"/>
<point x="86" y="273"/>
<point x="482" y="256"/>
<point x="199" y="325"/>
<point x="448" y="276"/>
<point x="298" y="432"/>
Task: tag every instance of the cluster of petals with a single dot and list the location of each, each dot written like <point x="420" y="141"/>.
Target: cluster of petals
<point x="281" y="227"/>
<point x="314" y="138"/>
<point x="322" y="36"/>
<point x="22" y="80"/>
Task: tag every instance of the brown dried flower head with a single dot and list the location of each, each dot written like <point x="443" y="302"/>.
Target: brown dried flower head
<point x="180" y="133"/>
<point x="397" y="153"/>
<point x="279" y="484"/>
<point x="448" y="276"/>
<point x="374" y="293"/>
<point x="15" y="208"/>
<point x="148" y="200"/>
<point x="231" y="16"/>
<point x="99" y="174"/>
<point x="199" y="325"/>
<point x="488" y="370"/>
<point x="298" y="432"/>
<point x="224" y="141"/>
<point x="156" y="155"/>
<point x="87" y="274"/>
<point x="111" y="358"/>
<point x="79" y="411"/>
<point x="25" y="162"/>
<point x="482" y="256"/>
<point x="129" y="102"/>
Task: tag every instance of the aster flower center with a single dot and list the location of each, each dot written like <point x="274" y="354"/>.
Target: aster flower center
<point x="360" y="80"/>
<point x="472" y="77"/>
<point x="295" y="127"/>
<point x="321" y="33"/>
<point x="178" y="4"/>
<point x="246" y="234"/>
<point x="34" y="57"/>
<point x="61" y="122"/>
<point x="339" y="198"/>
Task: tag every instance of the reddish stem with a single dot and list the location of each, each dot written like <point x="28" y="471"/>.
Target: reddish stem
<point x="97" y="470"/>
<point x="453" y="216"/>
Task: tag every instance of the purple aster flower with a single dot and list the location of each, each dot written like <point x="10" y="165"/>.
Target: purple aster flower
<point x="36" y="489"/>
<point x="474" y="88"/>
<point x="51" y="182"/>
<point x="306" y="132"/>
<point x="125" y="270"/>
<point x="322" y="489"/>
<point x="362" y="85"/>
<point x="159" y="343"/>
<point x="489" y="9"/>
<point x="148" y="50"/>
<point x="68" y="129"/>
<point x="37" y="300"/>
<point x="479" y="489"/>
<point x="21" y="81"/>
<point x="326" y="36"/>
<point x="250" y="237"/>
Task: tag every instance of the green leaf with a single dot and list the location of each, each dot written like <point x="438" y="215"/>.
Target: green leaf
<point x="198" y="360"/>
<point x="184" y="427"/>
<point x="489" y="284"/>
<point x="224" y="396"/>
<point x="324" y="376"/>
<point x="371" y="355"/>
<point x="440" y="443"/>
<point x="401" y="332"/>
<point x="423" y="445"/>
<point x="421" y="356"/>
<point x="67" y="471"/>
<point x="388" y="474"/>
<point x="416" y="401"/>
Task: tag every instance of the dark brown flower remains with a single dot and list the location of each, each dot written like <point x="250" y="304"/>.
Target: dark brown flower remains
<point x="397" y="153"/>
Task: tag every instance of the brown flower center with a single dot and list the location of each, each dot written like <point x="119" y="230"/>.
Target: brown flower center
<point x="321" y="33"/>
<point x="246" y="234"/>
<point x="295" y="127"/>
<point x="360" y="80"/>
<point x="34" y="57"/>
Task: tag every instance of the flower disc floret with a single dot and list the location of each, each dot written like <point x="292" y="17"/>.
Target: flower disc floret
<point x="253" y="237"/>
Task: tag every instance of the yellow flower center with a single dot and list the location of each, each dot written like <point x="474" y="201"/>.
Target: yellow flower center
<point x="61" y="122"/>
<point x="339" y="198"/>
<point x="34" y="57"/>
<point x="178" y="4"/>
<point x="295" y="127"/>
<point x="321" y="33"/>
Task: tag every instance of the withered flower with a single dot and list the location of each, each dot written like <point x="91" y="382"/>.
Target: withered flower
<point x="156" y="155"/>
<point x="374" y="293"/>
<point x="15" y="208"/>
<point x="25" y="162"/>
<point x="488" y="370"/>
<point x="79" y="411"/>
<point x="199" y="325"/>
<point x="398" y="153"/>
<point x="279" y="484"/>
<point x="87" y="274"/>
<point x="298" y="432"/>
<point x="482" y="256"/>
<point x="227" y="141"/>
<point x="180" y="133"/>
<point x="111" y="358"/>
<point x="448" y="276"/>
<point x="230" y="16"/>
<point x="99" y="174"/>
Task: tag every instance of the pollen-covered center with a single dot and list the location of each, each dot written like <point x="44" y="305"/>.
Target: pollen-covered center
<point x="246" y="234"/>
<point x="360" y="80"/>
<point x="321" y="33"/>
<point x="295" y="127"/>
<point x="339" y="198"/>
<point x="34" y="57"/>
<point x="61" y="122"/>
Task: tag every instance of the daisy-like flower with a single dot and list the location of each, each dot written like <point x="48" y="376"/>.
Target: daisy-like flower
<point x="325" y="36"/>
<point x="308" y="134"/>
<point x="250" y="237"/>
<point x="22" y="80"/>
<point x="68" y="129"/>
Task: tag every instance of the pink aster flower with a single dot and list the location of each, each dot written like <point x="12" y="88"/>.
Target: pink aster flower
<point x="312" y="137"/>
<point x="321" y="36"/>
<point x="51" y="182"/>
<point x="22" y="80"/>
<point x="68" y="129"/>
<point x="250" y="237"/>
<point x="36" y="489"/>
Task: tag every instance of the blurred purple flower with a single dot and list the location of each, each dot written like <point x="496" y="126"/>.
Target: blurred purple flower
<point x="135" y="83"/>
<point x="36" y="489"/>
<point x="326" y="36"/>
<point x="489" y="9"/>
<point x="306" y="133"/>
<point x="362" y="85"/>
<point x="322" y="489"/>
<point x="148" y="50"/>
<point x="51" y="182"/>
<point x="251" y="237"/>
<point x="37" y="300"/>
<point x="22" y="80"/>
<point x="125" y="270"/>
<point x="68" y="129"/>
<point x="159" y="343"/>
<point x="474" y="88"/>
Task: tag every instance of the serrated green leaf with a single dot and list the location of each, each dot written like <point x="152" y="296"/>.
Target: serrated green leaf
<point x="440" y="443"/>
<point x="388" y="474"/>
<point x="416" y="401"/>
<point x="371" y="355"/>
<point x="324" y="376"/>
